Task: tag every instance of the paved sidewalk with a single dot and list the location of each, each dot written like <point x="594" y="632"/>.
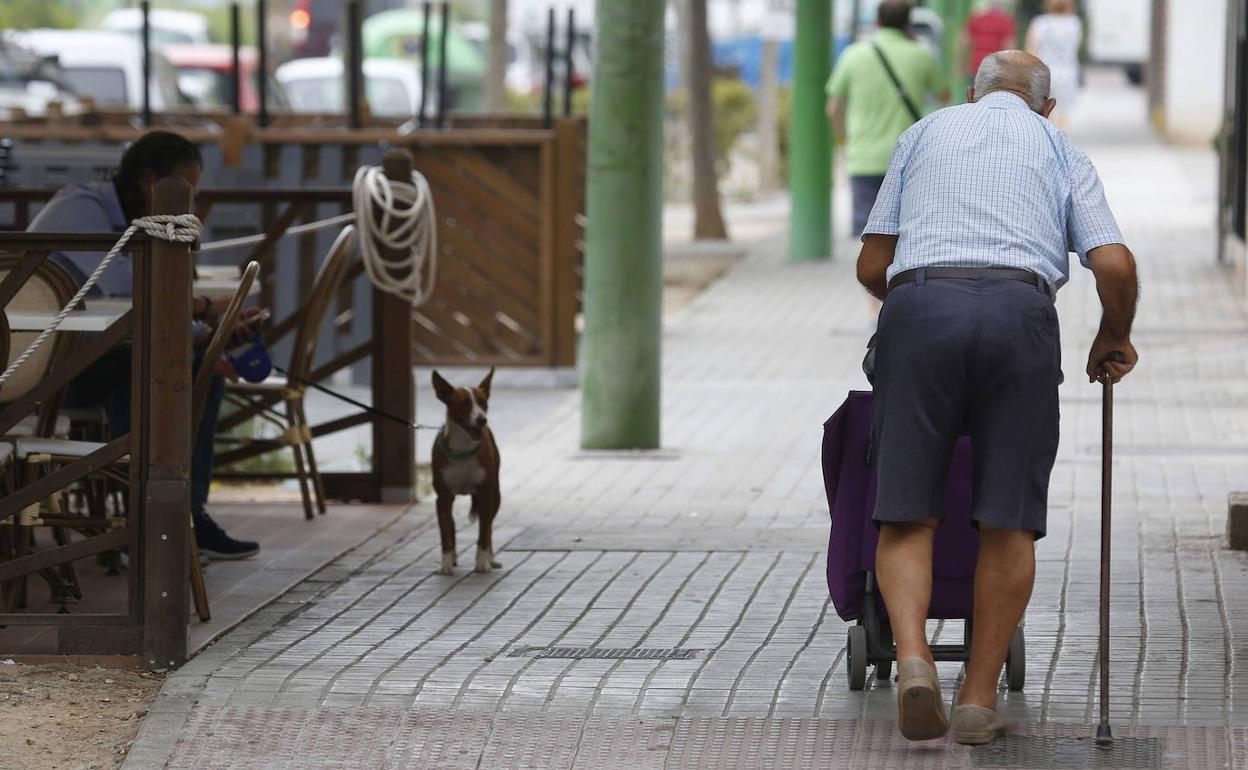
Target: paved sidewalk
<point x="716" y="544"/>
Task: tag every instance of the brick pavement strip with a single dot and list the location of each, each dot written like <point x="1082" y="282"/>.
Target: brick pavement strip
<point x="715" y="544"/>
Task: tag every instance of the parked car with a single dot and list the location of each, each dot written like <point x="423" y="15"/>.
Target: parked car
<point x="398" y="34"/>
<point x="28" y="82"/>
<point x="107" y="66"/>
<point x="206" y="76"/>
<point x="168" y="26"/>
<point x="392" y="86"/>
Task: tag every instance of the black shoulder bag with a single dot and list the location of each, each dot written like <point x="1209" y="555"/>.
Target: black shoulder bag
<point x="905" y="98"/>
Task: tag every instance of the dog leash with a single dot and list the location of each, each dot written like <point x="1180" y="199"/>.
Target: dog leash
<point x="353" y="402"/>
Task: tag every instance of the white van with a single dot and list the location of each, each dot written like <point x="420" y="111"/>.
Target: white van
<point x="107" y="66"/>
<point x="168" y="26"/>
<point x="1119" y="33"/>
<point x="392" y="86"/>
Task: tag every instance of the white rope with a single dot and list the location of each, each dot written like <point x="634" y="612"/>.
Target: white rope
<point x="400" y="218"/>
<point x="178" y="228"/>
<point x="248" y="240"/>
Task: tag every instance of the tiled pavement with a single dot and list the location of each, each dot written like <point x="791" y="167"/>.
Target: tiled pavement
<point x="717" y="544"/>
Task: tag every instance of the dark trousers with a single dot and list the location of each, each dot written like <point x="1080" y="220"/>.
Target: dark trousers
<point x="960" y="357"/>
<point x="107" y="383"/>
<point x="864" y="190"/>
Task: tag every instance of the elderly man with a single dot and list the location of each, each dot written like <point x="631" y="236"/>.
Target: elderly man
<point x="969" y="241"/>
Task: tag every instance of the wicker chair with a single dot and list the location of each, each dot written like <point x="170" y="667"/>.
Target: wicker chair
<point x="261" y="399"/>
<point x="47" y="290"/>
<point x="36" y="454"/>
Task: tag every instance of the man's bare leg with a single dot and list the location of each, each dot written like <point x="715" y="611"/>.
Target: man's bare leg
<point x="903" y="569"/>
<point x="1004" y="576"/>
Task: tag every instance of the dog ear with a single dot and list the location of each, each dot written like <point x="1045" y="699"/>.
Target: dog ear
<point x="485" y="384"/>
<point x="442" y="388"/>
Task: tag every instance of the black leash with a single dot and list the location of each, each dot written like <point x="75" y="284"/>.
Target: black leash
<point x="353" y="402"/>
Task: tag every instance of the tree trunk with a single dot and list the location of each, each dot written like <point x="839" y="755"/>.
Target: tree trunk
<point x="622" y="342"/>
<point x="708" y="220"/>
<point x="769" y="116"/>
<point x="810" y="140"/>
<point x="496" y="75"/>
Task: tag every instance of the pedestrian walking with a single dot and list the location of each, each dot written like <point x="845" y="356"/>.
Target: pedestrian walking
<point x="1055" y="37"/>
<point x="967" y="245"/>
<point x="989" y="29"/>
<point x="877" y="91"/>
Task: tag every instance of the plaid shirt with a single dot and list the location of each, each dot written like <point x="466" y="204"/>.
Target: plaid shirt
<point x="991" y="184"/>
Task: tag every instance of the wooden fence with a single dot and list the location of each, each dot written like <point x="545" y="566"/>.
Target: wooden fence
<point x="510" y="203"/>
<point x="155" y="455"/>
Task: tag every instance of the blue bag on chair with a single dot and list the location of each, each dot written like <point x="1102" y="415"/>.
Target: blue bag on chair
<point x="252" y="361"/>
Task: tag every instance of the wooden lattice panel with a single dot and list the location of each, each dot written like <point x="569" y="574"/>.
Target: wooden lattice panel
<point x="507" y="251"/>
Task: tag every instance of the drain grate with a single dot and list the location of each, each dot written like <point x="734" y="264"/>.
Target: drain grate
<point x="610" y="653"/>
<point x="1075" y="753"/>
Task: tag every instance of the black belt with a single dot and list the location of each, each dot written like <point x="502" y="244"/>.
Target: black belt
<point x="972" y="273"/>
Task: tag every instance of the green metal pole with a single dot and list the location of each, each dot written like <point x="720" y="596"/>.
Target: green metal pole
<point x="810" y="140"/>
<point x="620" y="352"/>
<point x="954" y="14"/>
<point x="949" y="43"/>
<point x="964" y="8"/>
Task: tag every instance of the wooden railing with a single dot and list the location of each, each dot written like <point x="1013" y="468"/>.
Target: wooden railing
<point x="510" y="203"/>
<point x="155" y="454"/>
<point x="392" y="475"/>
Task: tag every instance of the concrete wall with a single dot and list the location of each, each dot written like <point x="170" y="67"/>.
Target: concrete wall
<point x="1194" y="61"/>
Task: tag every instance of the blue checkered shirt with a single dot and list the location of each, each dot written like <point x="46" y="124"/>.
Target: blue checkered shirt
<point x="991" y="184"/>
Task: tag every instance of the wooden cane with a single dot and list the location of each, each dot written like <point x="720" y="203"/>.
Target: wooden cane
<point x="1104" y="735"/>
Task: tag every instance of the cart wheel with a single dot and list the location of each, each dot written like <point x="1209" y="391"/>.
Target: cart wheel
<point x="856" y="656"/>
<point x="1016" y="663"/>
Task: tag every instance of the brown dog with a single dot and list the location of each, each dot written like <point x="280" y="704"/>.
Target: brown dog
<point x="466" y="462"/>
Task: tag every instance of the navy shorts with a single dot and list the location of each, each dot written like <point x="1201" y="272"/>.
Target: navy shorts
<point x="977" y="357"/>
<point x="864" y="189"/>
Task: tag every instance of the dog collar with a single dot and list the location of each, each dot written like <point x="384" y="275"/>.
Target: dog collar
<point x="445" y="446"/>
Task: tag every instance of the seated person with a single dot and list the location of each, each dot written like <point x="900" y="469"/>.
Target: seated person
<point x="110" y="206"/>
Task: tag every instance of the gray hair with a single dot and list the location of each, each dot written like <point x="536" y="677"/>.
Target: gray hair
<point x="1014" y="71"/>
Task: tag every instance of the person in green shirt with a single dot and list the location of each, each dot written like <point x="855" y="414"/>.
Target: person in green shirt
<point x="867" y="108"/>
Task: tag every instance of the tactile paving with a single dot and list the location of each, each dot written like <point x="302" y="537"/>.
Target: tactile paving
<point x="448" y="740"/>
<point x="532" y="740"/>
<point x="1069" y="753"/>
<point x="399" y="739"/>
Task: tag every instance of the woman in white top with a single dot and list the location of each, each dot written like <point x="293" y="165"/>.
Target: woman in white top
<point x="1055" y="36"/>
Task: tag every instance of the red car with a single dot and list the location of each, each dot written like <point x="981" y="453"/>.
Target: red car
<point x="206" y="75"/>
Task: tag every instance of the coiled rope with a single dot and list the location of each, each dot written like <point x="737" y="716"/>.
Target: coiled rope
<point x="394" y="217"/>
<point x="177" y="228"/>
<point x="399" y="218"/>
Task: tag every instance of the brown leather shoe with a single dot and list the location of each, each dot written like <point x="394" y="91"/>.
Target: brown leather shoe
<point x="975" y="725"/>
<point x="920" y="710"/>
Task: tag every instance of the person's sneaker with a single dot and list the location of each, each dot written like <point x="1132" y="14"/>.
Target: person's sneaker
<point x="215" y="544"/>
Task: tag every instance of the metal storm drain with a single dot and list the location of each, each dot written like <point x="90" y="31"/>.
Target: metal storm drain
<point x="609" y="653"/>
<point x="1041" y="753"/>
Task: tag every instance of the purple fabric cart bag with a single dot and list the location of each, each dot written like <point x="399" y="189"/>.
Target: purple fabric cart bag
<point x="849" y="478"/>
